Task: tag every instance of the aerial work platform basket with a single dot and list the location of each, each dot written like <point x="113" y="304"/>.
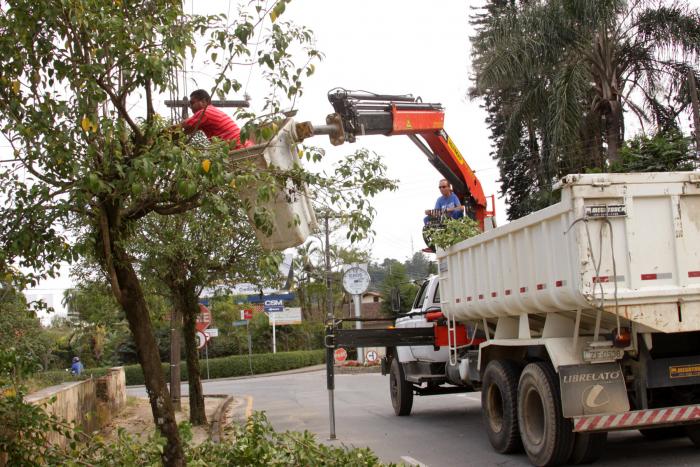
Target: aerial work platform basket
<point x="293" y="218"/>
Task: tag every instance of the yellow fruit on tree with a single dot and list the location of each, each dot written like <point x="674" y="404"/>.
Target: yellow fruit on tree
<point x="206" y="165"/>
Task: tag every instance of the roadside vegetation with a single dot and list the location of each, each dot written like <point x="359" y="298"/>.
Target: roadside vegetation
<point x="23" y="437"/>
<point x="575" y="87"/>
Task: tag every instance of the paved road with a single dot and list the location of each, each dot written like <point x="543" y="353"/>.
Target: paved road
<point x="441" y="431"/>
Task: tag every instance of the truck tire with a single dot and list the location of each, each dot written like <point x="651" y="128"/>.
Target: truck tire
<point x="546" y="435"/>
<point x="499" y="405"/>
<point x="400" y="389"/>
<point x="588" y="447"/>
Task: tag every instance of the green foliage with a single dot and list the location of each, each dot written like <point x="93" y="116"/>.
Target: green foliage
<point x="560" y="79"/>
<point x="20" y="328"/>
<point x="397" y="281"/>
<point x="660" y="153"/>
<point x="256" y="444"/>
<point x="25" y="427"/>
<point x="454" y="231"/>
<point x="223" y="367"/>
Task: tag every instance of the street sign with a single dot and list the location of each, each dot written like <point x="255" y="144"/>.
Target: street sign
<point x="212" y="332"/>
<point x="203" y="318"/>
<point x="201" y="339"/>
<point x="273" y="306"/>
<point x="246" y="314"/>
<point x="289" y="315"/>
<point x="288" y="297"/>
<point x="340" y="355"/>
<point x="243" y="322"/>
<point x="372" y="356"/>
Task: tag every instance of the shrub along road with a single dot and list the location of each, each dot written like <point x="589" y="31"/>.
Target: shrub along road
<point x="441" y="431"/>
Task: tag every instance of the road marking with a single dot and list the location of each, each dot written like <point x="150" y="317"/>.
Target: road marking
<point x="471" y="397"/>
<point x="411" y="461"/>
<point x="249" y="407"/>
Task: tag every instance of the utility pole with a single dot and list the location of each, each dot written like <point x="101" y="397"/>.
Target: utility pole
<point x="692" y="84"/>
<point x="184" y="104"/>
<point x="330" y="382"/>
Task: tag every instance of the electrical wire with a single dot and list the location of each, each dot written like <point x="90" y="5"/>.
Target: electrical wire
<point x="597" y="265"/>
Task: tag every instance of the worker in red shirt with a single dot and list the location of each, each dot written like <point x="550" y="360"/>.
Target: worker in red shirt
<point x="212" y="121"/>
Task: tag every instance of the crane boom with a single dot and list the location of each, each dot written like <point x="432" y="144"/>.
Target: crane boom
<point x="363" y="113"/>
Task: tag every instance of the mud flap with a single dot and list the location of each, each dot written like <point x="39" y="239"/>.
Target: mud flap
<point x="590" y="389"/>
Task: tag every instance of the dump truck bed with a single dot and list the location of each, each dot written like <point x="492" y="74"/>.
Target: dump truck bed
<point x="625" y="243"/>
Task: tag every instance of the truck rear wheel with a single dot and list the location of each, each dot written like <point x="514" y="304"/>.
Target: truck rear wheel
<point x="588" y="447"/>
<point x="499" y="402"/>
<point x="400" y="389"/>
<point x="546" y="435"/>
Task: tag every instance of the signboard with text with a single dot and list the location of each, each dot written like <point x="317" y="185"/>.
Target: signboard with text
<point x="273" y="306"/>
<point x="289" y="315"/>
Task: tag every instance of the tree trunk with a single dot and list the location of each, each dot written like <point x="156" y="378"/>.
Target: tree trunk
<point x="613" y="122"/>
<point x="130" y="296"/>
<point x="175" y="333"/>
<point x="190" y="310"/>
<point x="696" y="111"/>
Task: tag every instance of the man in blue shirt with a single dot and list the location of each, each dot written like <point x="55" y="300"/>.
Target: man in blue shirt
<point x="77" y="367"/>
<point x="447" y="202"/>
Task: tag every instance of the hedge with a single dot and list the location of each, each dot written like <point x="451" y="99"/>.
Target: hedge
<point x="222" y="367"/>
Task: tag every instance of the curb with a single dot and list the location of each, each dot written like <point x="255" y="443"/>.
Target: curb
<point x="305" y="369"/>
<point x="352" y="370"/>
<point x="216" y="429"/>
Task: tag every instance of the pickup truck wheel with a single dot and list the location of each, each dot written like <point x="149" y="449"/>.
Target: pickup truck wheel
<point x="401" y="390"/>
<point x="499" y="402"/>
<point x="588" y="447"/>
<point x="546" y="435"/>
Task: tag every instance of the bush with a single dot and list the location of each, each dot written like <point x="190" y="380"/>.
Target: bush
<point x="224" y="367"/>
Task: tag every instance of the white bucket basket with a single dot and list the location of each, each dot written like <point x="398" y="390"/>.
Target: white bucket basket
<point x="293" y="216"/>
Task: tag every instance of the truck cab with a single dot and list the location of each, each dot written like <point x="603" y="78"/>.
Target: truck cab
<point x="424" y="369"/>
<point x="427" y="301"/>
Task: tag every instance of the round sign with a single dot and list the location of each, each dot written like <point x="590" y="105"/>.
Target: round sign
<point x="372" y="356"/>
<point x="356" y="280"/>
<point x="201" y="339"/>
<point x="340" y="355"/>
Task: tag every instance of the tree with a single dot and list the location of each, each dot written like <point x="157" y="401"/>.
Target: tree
<point x="85" y="159"/>
<point x="211" y="245"/>
<point x="20" y="328"/>
<point x="661" y="153"/>
<point x="397" y="285"/>
<point x="559" y="75"/>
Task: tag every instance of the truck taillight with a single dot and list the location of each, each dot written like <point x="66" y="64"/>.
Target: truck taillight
<point x="622" y="337"/>
<point x="434" y="316"/>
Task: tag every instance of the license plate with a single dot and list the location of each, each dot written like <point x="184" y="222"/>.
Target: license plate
<point x="607" y="354"/>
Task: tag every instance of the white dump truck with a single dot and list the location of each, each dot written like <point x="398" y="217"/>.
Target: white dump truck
<point x="573" y="321"/>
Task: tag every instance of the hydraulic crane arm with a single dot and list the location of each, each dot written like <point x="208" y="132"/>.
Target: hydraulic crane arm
<point x="363" y="113"/>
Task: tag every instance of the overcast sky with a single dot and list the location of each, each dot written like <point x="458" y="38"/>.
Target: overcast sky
<point x="390" y="47"/>
<point x="399" y="47"/>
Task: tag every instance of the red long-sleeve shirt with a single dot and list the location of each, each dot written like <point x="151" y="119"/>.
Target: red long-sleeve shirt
<point x="216" y="124"/>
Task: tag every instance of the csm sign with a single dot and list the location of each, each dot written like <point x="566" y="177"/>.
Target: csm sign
<point x="273" y="305"/>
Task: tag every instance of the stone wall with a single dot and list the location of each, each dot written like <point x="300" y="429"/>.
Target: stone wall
<point x="90" y="404"/>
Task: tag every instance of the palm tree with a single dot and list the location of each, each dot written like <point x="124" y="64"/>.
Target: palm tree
<point x="569" y="69"/>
